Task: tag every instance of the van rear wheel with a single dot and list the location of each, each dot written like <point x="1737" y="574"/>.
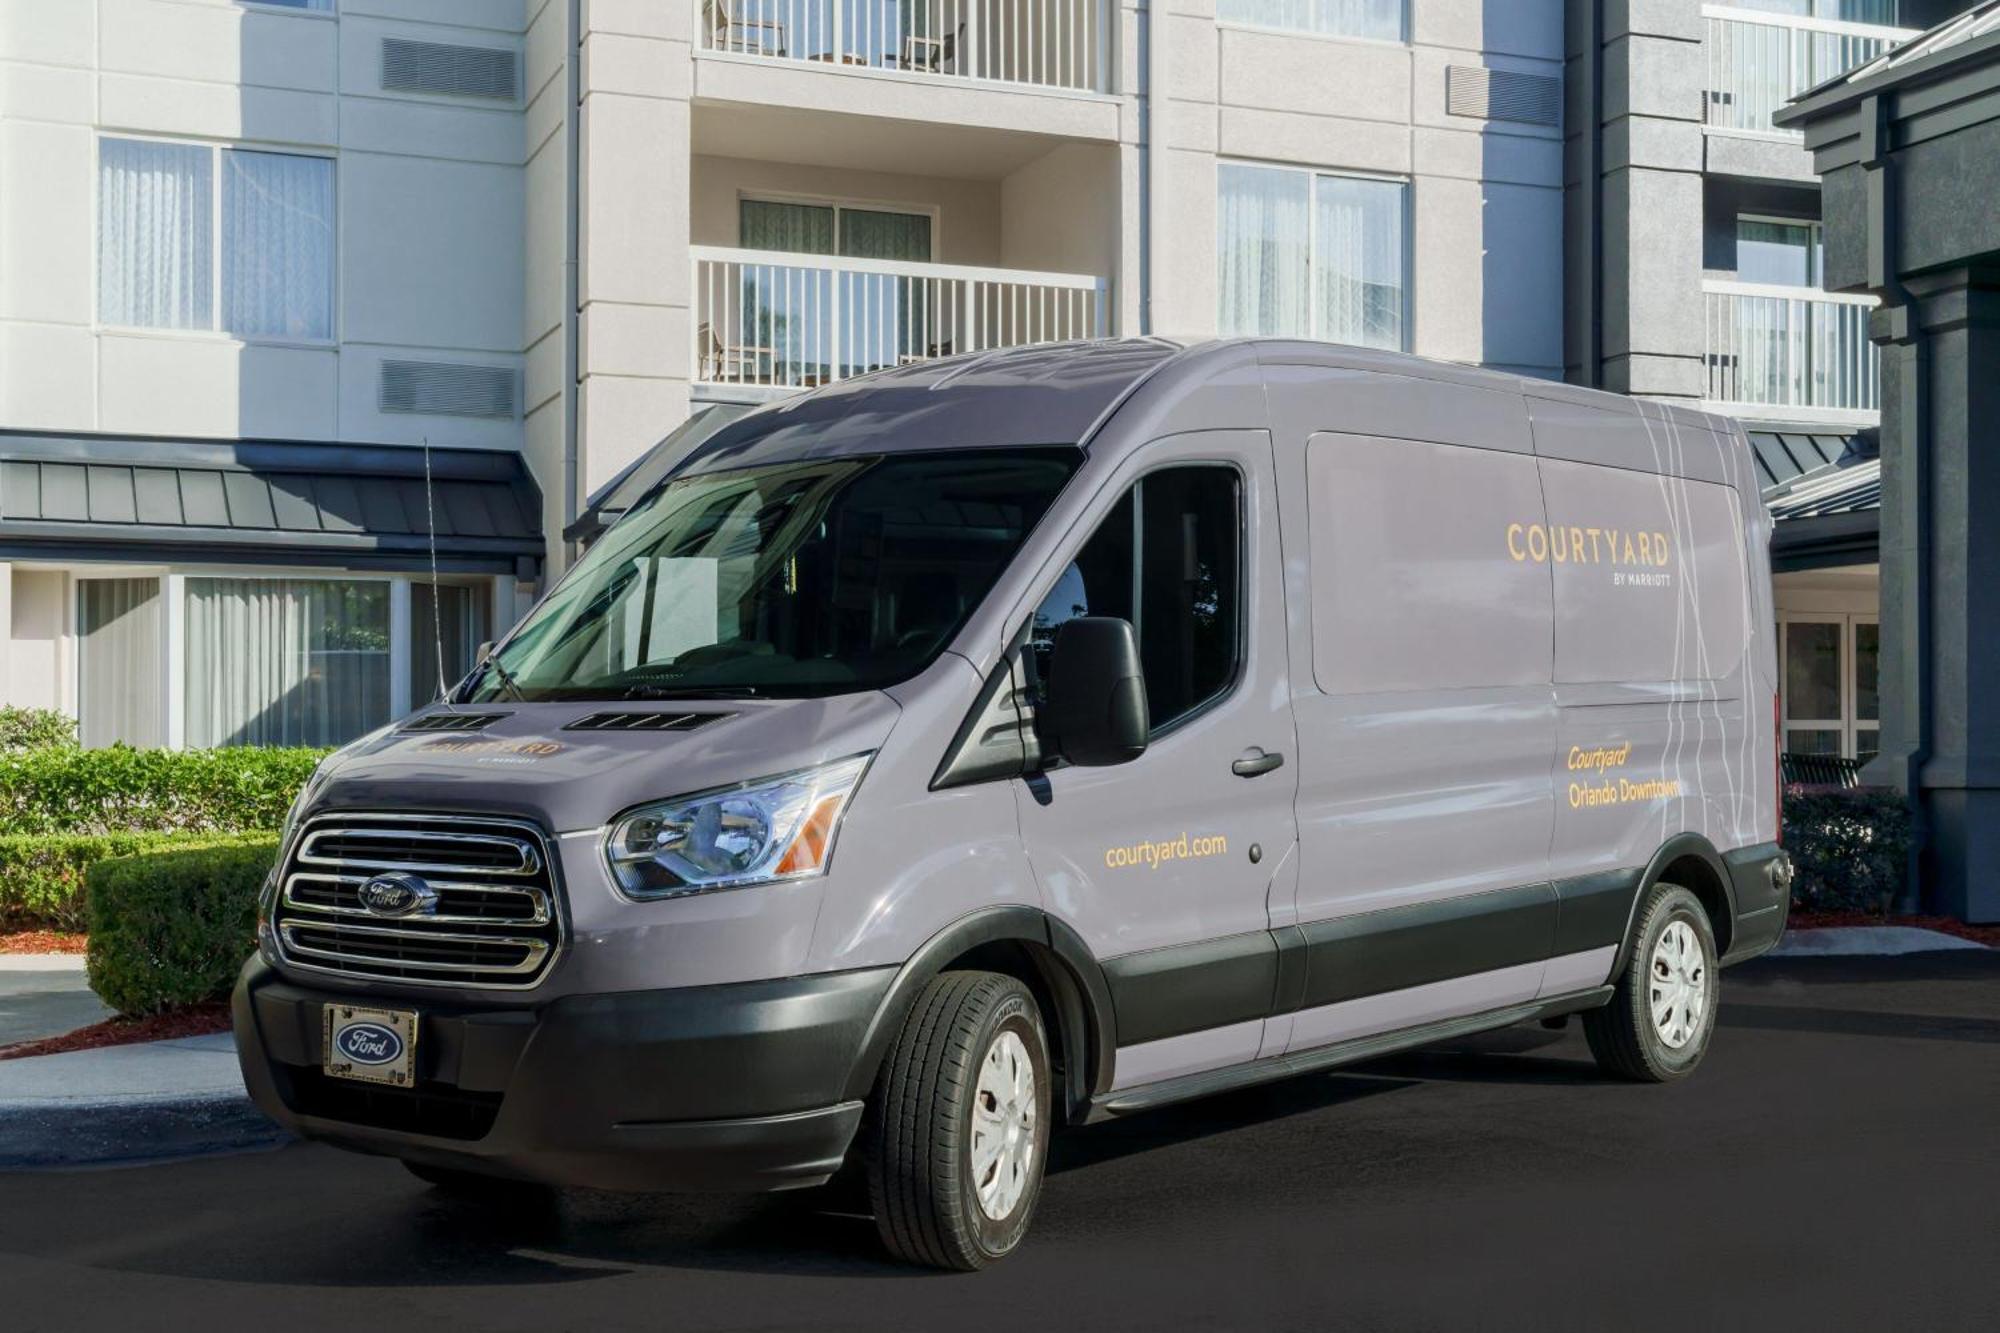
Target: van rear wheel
<point x="958" y="1128"/>
<point x="1657" y="1026"/>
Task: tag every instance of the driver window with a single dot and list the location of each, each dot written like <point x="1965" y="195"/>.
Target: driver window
<point x="1168" y="559"/>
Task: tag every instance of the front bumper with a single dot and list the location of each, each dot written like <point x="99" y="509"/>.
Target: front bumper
<point x="737" y="1088"/>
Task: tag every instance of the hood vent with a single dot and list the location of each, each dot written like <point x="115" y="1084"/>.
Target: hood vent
<point x="653" y="721"/>
<point x="453" y="721"/>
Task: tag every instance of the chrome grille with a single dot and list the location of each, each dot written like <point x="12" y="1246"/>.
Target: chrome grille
<point x="491" y="919"/>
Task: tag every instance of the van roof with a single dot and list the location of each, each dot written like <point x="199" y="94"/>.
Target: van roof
<point x="1057" y="393"/>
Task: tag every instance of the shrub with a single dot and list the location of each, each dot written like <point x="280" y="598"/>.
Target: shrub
<point x="42" y="874"/>
<point x="173" y="927"/>
<point x="122" y="790"/>
<point x="35" y="728"/>
<point x="1850" y="848"/>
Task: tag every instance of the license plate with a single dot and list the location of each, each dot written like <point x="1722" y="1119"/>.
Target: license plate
<point x="372" y="1045"/>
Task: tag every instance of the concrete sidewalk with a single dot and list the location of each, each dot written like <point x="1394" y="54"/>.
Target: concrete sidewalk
<point x="1866" y="941"/>
<point x="121" y="1104"/>
<point x="45" y="995"/>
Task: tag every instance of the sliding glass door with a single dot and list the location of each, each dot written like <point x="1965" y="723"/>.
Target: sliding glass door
<point x="118" y="662"/>
<point x="1831" y="673"/>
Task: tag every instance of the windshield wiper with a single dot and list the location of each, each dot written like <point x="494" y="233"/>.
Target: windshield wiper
<point x="507" y="680"/>
<point x="644" y="691"/>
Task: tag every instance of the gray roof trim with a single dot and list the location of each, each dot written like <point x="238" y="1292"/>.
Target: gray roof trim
<point x="264" y="501"/>
<point x="1970" y="37"/>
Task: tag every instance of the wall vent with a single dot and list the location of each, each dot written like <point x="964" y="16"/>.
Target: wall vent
<point x="450" y="70"/>
<point x="447" y="389"/>
<point x="1501" y="94"/>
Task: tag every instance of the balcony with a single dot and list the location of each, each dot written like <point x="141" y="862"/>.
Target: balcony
<point x="1803" y="351"/>
<point x="767" y="322"/>
<point x="1758" y="61"/>
<point x="1043" y="43"/>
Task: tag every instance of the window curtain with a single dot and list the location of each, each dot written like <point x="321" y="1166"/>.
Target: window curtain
<point x="1359" y="259"/>
<point x="277" y="245"/>
<point x="119" y="662"/>
<point x="285" y="661"/>
<point x="451" y="633"/>
<point x="1777" y="253"/>
<point x="154" y="234"/>
<point x="1382" y="19"/>
<point x="1263" y="237"/>
<point x="801" y="229"/>
<point x="887" y="317"/>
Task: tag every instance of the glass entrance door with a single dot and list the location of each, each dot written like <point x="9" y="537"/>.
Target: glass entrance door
<point x="1831" y="672"/>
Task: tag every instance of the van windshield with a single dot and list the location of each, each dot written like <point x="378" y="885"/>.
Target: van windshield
<point x="820" y="576"/>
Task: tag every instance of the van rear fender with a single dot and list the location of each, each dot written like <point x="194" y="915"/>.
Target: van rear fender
<point x="1048" y="956"/>
<point x="1691" y="861"/>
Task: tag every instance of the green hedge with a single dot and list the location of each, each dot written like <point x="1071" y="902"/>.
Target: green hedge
<point x="1850" y="848"/>
<point x="35" y="728"/>
<point x="62" y="789"/>
<point x="42" y="875"/>
<point x="173" y="927"/>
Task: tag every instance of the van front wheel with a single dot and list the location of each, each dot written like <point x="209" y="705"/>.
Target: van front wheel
<point x="957" y="1131"/>
<point x="1657" y="1025"/>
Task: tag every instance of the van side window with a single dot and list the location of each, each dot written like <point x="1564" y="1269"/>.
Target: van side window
<point x="1168" y="558"/>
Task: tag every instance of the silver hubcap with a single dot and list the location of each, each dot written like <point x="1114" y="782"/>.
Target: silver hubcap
<point x="1679" y="990"/>
<point x="1003" y="1126"/>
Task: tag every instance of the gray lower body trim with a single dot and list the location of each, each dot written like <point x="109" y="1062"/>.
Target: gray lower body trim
<point x="1188" y="988"/>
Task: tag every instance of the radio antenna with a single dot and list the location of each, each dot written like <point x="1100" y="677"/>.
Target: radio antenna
<point x="437" y="610"/>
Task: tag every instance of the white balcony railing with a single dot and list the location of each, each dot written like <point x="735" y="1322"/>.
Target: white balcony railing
<point x="1758" y="61"/>
<point x="787" y="321"/>
<point x="1050" y="43"/>
<point x="1791" y="347"/>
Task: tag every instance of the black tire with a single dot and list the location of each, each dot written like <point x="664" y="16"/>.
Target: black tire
<point x="1623" y="1035"/>
<point x="472" y="1185"/>
<point x="918" y="1134"/>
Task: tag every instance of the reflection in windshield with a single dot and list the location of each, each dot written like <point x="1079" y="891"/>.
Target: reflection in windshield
<point x="815" y="577"/>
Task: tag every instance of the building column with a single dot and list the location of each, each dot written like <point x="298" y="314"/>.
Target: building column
<point x="1637" y="227"/>
<point x="635" y="286"/>
<point x="1940" y="557"/>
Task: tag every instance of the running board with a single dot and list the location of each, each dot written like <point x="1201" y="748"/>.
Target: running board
<point x="1148" y="1096"/>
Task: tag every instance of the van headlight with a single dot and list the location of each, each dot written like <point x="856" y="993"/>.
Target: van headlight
<point x="770" y="829"/>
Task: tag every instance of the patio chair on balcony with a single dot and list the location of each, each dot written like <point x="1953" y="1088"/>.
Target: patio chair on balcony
<point x="931" y="353"/>
<point x="731" y="363"/>
<point x="757" y="36"/>
<point x="933" y="55"/>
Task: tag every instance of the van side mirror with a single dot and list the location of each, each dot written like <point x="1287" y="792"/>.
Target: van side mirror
<point x="1093" y="712"/>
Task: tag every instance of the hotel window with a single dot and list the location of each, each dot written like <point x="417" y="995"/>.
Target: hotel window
<point x="1381" y="19"/>
<point x="273" y="661"/>
<point x="1832" y="675"/>
<point x="191" y="236"/>
<point x="1778" y="253"/>
<point x="1311" y="255"/>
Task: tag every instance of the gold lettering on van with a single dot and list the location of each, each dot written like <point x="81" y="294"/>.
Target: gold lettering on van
<point x="1585" y="794"/>
<point x="1541" y="544"/>
<point x="1152" y="855"/>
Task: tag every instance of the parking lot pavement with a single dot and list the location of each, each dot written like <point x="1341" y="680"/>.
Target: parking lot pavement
<point x="45" y="995"/>
<point x="1832" y="1166"/>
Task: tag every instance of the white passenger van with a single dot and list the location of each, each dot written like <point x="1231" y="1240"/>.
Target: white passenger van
<point x="1027" y="739"/>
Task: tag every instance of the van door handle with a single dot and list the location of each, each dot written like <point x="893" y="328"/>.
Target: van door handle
<point x="1257" y="762"/>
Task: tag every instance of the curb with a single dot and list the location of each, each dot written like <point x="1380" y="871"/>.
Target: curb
<point x="1867" y="942"/>
<point x="45" y="1135"/>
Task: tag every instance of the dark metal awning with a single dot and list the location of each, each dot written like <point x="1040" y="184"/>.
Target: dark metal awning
<point x="265" y="502"/>
<point x="1824" y="492"/>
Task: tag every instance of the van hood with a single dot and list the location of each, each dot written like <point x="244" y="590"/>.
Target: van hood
<point x="536" y="761"/>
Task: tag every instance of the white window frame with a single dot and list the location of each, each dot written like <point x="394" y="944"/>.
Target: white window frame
<point x="1815" y="253"/>
<point x="1407" y="258"/>
<point x="1402" y="43"/>
<point x="214" y="332"/>
<point x="332" y="10"/>
<point x="1848" y="724"/>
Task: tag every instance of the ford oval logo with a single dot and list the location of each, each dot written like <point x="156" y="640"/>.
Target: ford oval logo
<point x="398" y="894"/>
<point x="369" y="1044"/>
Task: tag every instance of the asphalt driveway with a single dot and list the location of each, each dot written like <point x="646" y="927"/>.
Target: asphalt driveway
<point x="1834" y="1165"/>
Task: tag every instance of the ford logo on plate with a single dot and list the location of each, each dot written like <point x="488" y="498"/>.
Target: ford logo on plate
<point x="398" y="894"/>
<point x="369" y="1043"/>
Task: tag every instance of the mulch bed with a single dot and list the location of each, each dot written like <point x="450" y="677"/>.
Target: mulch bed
<point x="1987" y="935"/>
<point x="41" y="941"/>
<point x="194" y="1020"/>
